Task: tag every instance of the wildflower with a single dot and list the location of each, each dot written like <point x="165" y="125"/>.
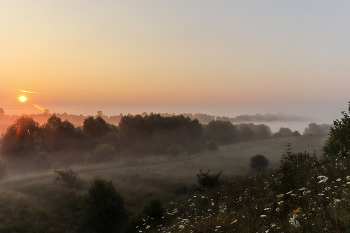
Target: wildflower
<point x="348" y="178"/>
<point x="181" y="227"/>
<point x="267" y="209"/>
<point x="263" y="216"/>
<point x="289" y="192"/>
<point x="322" y="179"/>
<point x="280" y="202"/>
<point x="234" y="221"/>
<point x="336" y="200"/>
<point x="148" y="227"/>
<point x="280" y="195"/>
<point x="203" y="196"/>
<point x="306" y="192"/>
<point x="338" y="179"/>
<point x="212" y="204"/>
<point x="302" y="189"/>
<point x="293" y="221"/>
<point x="296" y="211"/>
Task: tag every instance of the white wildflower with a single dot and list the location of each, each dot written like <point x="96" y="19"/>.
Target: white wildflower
<point x="293" y="221"/>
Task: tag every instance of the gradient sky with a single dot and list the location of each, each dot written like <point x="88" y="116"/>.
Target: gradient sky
<point x="217" y="57"/>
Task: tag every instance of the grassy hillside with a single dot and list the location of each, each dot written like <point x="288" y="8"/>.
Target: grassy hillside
<point x="51" y="205"/>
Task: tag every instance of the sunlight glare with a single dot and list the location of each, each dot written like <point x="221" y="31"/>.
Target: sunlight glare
<point x="22" y="98"/>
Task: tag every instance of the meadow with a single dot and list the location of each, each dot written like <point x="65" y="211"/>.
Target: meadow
<point x="46" y="204"/>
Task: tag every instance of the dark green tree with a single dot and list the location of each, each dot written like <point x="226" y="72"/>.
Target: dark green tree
<point x="338" y="142"/>
<point x="21" y="139"/>
<point x="95" y="127"/>
<point x="102" y="209"/>
<point x="57" y="134"/>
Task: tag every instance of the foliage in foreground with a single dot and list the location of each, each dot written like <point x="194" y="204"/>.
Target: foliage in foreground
<point x="305" y="194"/>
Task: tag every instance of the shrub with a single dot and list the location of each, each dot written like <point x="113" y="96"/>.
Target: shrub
<point x="102" y="209"/>
<point x="259" y="162"/>
<point x="70" y="178"/>
<point x="104" y="152"/>
<point x="292" y="171"/>
<point x="174" y="149"/>
<point x="208" y="181"/>
<point x="211" y="145"/>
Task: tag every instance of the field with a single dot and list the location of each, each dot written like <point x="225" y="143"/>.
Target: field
<point x="41" y="199"/>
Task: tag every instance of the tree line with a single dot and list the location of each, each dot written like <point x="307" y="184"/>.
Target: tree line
<point x="136" y="135"/>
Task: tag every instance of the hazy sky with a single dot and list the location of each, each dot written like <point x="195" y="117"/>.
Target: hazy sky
<point x="217" y="57"/>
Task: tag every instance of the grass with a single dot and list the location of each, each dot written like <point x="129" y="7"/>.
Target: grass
<point x="138" y="180"/>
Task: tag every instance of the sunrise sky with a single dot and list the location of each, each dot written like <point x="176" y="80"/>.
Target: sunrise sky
<point x="223" y="58"/>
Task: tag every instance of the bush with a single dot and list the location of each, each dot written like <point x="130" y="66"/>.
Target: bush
<point x="292" y="172"/>
<point x="211" y="146"/>
<point x="259" y="162"/>
<point x="102" y="209"/>
<point x="208" y="181"/>
<point x="70" y="178"/>
<point x="174" y="149"/>
<point x="103" y="153"/>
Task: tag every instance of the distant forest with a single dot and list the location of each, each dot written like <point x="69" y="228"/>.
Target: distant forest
<point x="98" y="140"/>
<point x="77" y="120"/>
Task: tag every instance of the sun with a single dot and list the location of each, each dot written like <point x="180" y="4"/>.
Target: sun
<point x="22" y="98"/>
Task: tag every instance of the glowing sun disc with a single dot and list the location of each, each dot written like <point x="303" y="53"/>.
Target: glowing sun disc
<point x="22" y="98"/>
